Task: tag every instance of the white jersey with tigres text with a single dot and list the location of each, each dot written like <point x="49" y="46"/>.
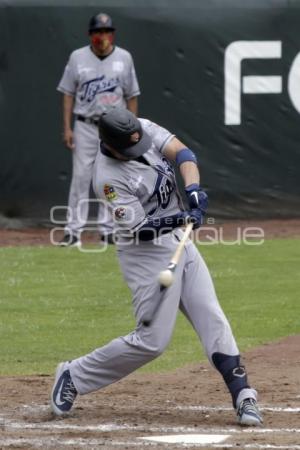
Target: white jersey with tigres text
<point x="99" y="84"/>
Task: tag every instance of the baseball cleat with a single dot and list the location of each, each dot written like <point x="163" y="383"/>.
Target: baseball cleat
<point x="63" y="391"/>
<point x="248" y="413"/>
<point x="69" y="241"/>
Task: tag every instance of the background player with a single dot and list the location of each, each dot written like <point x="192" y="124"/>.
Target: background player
<point x="97" y="77"/>
<point x="134" y="174"/>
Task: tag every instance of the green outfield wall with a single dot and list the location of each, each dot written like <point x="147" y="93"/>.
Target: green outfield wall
<point x="223" y="75"/>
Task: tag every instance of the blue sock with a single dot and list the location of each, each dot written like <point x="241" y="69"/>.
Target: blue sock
<point x="233" y="373"/>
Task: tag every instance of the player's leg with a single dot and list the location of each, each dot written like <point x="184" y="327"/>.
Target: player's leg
<point x="123" y="355"/>
<point x="200" y="304"/>
<point x="86" y="146"/>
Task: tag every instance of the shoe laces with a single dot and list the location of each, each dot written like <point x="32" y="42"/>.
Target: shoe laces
<point x="248" y="406"/>
<point x="70" y="392"/>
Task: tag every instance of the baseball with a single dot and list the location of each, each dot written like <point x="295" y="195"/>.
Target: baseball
<point x="166" y="278"/>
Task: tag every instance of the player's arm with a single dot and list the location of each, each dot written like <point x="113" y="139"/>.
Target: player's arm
<point x="177" y="152"/>
<point x="68" y="87"/>
<point x="186" y="160"/>
<point x="131" y="86"/>
<point x="132" y="105"/>
<point x="68" y="103"/>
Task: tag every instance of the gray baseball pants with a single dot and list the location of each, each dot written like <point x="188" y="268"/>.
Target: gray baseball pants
<point x="192" y="291"/>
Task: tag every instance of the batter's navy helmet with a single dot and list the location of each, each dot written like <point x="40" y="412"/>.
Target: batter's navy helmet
<point x="121" y="130"/>
<point x="101" y="21"/>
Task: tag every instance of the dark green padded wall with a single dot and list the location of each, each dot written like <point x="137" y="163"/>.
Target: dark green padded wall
<point x="250" y="170"/>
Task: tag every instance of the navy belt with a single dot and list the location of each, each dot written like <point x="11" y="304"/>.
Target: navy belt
<point x="90" y="120"/>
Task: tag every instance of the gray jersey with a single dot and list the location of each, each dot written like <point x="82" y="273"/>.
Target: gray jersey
<point x="135" y="190"/>
<point x="96" y="84"/>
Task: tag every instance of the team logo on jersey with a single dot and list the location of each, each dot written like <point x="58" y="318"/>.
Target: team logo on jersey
<point x="98" y="86"/>
<point x="161" y="195"/>
<point x="165" y="167"/>
<point x="109" y="192"/>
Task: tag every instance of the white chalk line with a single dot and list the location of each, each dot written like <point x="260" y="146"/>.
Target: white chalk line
<point x="225" y="408"/>
<point x="47" y="442"/>
<point x="108" y="427"/>
<point x="276" y="409"/>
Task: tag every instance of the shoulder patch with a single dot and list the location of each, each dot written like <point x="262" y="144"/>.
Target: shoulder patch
<point x="110" y="193"/>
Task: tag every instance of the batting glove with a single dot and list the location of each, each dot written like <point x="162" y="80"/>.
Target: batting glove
<point x="196" y="217"/>
<point x="196" y="197"/>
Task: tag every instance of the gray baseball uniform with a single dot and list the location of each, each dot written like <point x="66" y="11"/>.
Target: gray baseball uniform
<point x="134" y="190"/>
<point x="97" y="85"/>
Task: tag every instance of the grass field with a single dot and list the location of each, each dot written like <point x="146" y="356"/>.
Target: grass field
<point x="57" y="304"/>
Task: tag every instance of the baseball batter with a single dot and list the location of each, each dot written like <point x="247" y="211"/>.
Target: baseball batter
<point x="97" y="77"/>
<point x="134" y="173"/>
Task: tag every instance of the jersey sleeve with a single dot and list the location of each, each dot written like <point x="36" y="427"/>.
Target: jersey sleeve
<point x="127" y="212"/>
<point x="160" y="136"/>
<point x="68" y="82"/>
<point x="131" y="85"/>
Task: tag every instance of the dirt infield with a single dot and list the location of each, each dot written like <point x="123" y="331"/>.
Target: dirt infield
<point x="189" y="401"/>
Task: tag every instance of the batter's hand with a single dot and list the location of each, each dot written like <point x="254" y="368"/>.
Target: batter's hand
<point x="68" y="139"/>
<point x="196" y="197"/>
<point x="195" y="216"/>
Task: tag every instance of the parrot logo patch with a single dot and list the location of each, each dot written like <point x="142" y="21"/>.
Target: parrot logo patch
<point x="110" y="193"/>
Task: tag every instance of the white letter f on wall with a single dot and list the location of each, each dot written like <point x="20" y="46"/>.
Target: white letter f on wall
<point x="235" y="85"/>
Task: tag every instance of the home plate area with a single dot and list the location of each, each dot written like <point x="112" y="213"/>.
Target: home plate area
<point x="187" y="408"/>
<point x="48" y="432"/>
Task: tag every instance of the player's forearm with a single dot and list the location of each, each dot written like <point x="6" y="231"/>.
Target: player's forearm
<point x="132" y="105"/>
<point x="190" y="173"/>
<point x="68" y="103"/>
<point x="185" y="159"/>
<point x="187" y="163"/>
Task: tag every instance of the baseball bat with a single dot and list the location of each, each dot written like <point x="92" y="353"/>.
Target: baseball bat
<point x="166" y="277"/>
